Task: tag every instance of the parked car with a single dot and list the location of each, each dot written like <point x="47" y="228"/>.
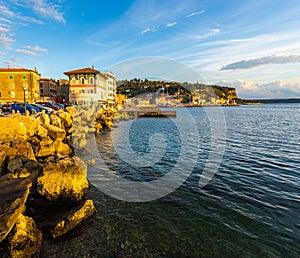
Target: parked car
<point x="50" y="105"/>
<point x="20" y="107"/>
<point x="5" y="107"/>
<point x="41" y="108"/>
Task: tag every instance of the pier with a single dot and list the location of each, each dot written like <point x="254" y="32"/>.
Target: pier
<point x="148" y="112"/>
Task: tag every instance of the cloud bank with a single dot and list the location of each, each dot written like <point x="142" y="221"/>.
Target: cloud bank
<point x="275" y="59"/>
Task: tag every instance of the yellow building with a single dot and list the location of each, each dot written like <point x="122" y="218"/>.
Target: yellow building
<point x="15" y="83"/>
<point x="87" y="86"/>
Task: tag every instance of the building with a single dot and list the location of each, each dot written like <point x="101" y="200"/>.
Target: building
<point x="87" y="86"/>
<point x="48" y="89"/>
<point x="17" y="84"/>
<point x="63" y="91"/>
<point x="111" y="88"/>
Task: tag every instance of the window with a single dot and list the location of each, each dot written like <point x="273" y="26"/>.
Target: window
<point x="24" y="76"/>
<point x="82" y="91"/>
<point x="11" y="76"/>
<point x="0" y="94"/>
<point x="42" y="91"/>
<point x="91" y="81"/>
<point x="12" y="94"/>
<point x="91" y="91"/>
<point x="82" y="81"/>
<point x="12" y="85"/>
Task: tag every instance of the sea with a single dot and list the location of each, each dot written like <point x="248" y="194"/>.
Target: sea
<point x="212" y="182"/>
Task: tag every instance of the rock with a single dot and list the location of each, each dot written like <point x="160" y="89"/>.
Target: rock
<point x="45" y="148"/>
<point x="71" y="220"/>
<point x="41" y="131"/>
<point x="13" y="195"/>
<point x="62" y="148"/>
<point x="21" y="167"/>
<point x="55" y="120"/>
<point x="23" y="148"/>
<point x="8" y="150"/>
<point x="11" y="129"/>
<point x="25" y="239"/>
<point x="55" y="132"/>
<point x="71" y="110"/>
<point x="15" y="163"/>
<point x="66" y="119"/>
<point x="63" y="179"/>
<point x="2" y="161"/>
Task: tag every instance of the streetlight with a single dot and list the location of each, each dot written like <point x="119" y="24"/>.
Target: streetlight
<point x="24" y="89"/>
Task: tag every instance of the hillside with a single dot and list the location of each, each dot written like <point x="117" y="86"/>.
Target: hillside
<point x="185" y="91"/>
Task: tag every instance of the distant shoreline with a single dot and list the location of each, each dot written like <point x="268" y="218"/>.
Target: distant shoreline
<point x="275" y="101"/>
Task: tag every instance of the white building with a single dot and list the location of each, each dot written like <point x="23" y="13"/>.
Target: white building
<point x="111" y="87"/>
<point x="87" y="86"/>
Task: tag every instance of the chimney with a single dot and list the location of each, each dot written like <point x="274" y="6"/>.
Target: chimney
<point x="93" y="67"/>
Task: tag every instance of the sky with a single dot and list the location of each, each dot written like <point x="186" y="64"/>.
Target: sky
<point x="253" y="46"/>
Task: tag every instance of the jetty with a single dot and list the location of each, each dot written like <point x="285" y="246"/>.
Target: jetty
<point x="148" y="112"/>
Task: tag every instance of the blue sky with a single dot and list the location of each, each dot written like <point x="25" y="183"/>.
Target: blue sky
<point x="251" y="45"/>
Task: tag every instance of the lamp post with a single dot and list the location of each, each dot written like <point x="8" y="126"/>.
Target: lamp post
<point x="24" y="90"/>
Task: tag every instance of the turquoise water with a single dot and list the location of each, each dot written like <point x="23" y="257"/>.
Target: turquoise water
<point x="250" y="207"/>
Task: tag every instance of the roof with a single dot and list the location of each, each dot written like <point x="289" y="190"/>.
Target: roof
<point x="82" y="71"/>
<point x="17" y="70"/>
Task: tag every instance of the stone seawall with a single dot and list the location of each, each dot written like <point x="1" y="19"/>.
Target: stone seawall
<point x="43" y="184"/>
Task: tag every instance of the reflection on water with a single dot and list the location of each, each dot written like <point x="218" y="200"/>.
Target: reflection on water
<point x="251" y="207"/>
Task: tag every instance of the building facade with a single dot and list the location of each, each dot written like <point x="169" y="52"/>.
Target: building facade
<point x="19" y="84"/>
<point x="87" y="86"/>
<point x="63" y="91"/>
<point x="48" y="89"/>
<point x="111" y="88"/>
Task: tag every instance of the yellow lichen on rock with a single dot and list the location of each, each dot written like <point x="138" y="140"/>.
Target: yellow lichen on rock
<point x="65" y="178"/>
<point x="25" y="239"/>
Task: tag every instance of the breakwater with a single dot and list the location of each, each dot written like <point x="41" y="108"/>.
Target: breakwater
<point x="43" y="184"/>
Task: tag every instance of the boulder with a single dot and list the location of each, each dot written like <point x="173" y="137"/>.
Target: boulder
<point x="11" y="129"/>
<point x="22" y="167"/>
<point x="62" y="148"/>
<point x="66" y="119"/>
<point x="23" y="148"/>
<point x="55" y="120"/>
<point x="13" y="195"/>
<point x="63" y="179"/>
<point x="45" y="148"/>
<point x="55" y="132"/>
<point x="25" y="239"/>
<point x="72" y="218"/>
<point x="2" y="161"/>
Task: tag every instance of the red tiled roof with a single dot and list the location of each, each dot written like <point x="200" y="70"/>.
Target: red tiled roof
<point x="17" y="70"/>
<point x="82" y="71"/>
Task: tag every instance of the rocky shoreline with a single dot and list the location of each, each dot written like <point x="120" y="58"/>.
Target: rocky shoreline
<point x="43" y="185"/>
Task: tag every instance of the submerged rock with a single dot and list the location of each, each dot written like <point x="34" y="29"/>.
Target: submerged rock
<point x="25" y="239"/>
<point x="63" y="179"/>
<point x="72" y="218"/>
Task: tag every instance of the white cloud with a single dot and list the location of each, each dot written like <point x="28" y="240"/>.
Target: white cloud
<point x="27" y="52"/>
<point x="171" y="24"/>
<point x="274" y="59"/>
<point x="46" y="9"/>
<point x="6" y="12"/>
<point x="269" y="90"/>
<point x="206" y="35"/>
<point x="194" y="13"/>
<point x="33" y="51"/>
<point x="145" y="30"/>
